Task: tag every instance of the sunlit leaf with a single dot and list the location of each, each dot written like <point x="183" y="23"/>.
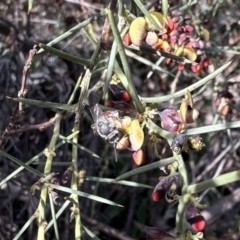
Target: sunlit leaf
<point x="184" y="110"/>
<point x="190" y="53"/>
<point x="136" y="135"/>
<point x="126" y="123"/>
<point x="205" y="34"/>
<point x="137" y="31"/>
<point x="178" y="51"/>
<point x="159" y="19"/>
<point x="165" y="46"/>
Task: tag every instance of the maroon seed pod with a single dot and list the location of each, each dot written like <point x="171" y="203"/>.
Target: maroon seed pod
<point x="198" y="223"/>
<point x="125" y="96"/>
<point x="158" y="195"/>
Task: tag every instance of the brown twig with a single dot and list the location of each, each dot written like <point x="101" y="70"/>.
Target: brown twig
<point x="23" y="90"/>
<point x="18" y="113"/>
<point x="106" y="229"/>
<point x="40" y="127"/>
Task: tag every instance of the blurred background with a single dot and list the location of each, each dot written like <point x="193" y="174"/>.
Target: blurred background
<point x="53" y="79"/>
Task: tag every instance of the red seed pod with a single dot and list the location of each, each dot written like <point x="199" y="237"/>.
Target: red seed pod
<point x="170" y="24"/>
<point x="189" y="28"/>
<point x="167" y="187"/>
<point x="180" y="66"/>
<point x="173" y="40"/>
<point x="125" y="96"/>
<point x="205" y="62"/>
<point x="196" y="68"/>
<point x="127" y="40"/>
<point x="198" y="223"/>
<point x="110" y="104"/>
<point x="182" y="38"/>
<point x="168" y="61"/>
<point x="158" y="195"/>
<point x="139" y="156"/>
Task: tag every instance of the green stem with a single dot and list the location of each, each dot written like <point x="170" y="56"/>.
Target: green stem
<point x="158" y="164"/>
<point x="125" y="64"/>
<point x="47" y="170"/>
<point x="161" y="132"/>
<point x="74" y="184"/>
<point x="64" y="55"/>
<point x="35" y="158"/>
<point x="180" y="215"/>
<point x="76" y="28"/>
<point x="212" y="128"/>
<point x="183" y="172"/>
<point x="190" y="88"/>
<point x="159" y="53"/>
<point x="215" y="182"/>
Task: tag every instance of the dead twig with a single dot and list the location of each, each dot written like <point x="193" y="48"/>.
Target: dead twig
<point x="106" y="229"/>
<point x="40" y="127"/>
<point x="18" y="113"/>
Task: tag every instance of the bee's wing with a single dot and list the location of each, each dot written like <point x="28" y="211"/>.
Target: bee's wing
<point x="93" y="99"/>
<point x="96" y="112"/>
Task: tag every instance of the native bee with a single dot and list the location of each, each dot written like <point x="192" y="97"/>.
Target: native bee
<point x="105" y="123"/>
<point x="123" y="133"/>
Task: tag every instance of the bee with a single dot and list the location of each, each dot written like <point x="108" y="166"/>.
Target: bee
<point x="105" y="123"/>
<point x="121" y="132"/>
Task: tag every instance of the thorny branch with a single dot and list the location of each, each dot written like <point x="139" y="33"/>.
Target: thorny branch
<point x="18" y="113"/>
<point x="40" y="127"/>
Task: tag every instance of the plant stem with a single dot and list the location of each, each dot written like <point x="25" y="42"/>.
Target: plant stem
<point x="189" y="88"/>
<point x="74" y="184"/>
<point x="74" y="29"/>
<point x="64" y="55"/>
<point x="47" y="170"/>
<point x="126" y="67"/>
<point x="215" y="182"/>
<point x="180" y="215"/>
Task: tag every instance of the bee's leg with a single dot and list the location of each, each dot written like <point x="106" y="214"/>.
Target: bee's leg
<point x="115" y="149"/>
<point x="94" y="128"/>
